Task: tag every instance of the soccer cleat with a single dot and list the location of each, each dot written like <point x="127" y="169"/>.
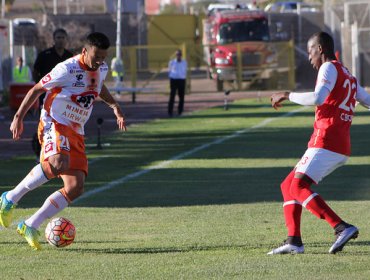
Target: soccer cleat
<point x="343" y="237"/>
<point x="30" y="234"/>
<point x="6" y="210"/>
<point x="286" y="248"/>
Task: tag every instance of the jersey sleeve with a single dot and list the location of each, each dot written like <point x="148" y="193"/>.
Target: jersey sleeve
<point x="327" y="76"/>
<point x="310" y="98"/>
<point x="362" y="96"/>
<point x="56" y="78"/>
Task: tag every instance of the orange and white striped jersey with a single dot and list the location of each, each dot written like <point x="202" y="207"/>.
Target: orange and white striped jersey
<point x="70" y="92"/>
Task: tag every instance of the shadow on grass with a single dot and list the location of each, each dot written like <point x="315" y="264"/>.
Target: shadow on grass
<point x="228" y="184"/>
<point x="186" y="249"/>
<point x="158" y="250"/>
<point x="184" y="187"/>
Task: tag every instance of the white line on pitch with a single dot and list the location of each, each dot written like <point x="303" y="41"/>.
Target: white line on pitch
<point x="165" y="163"/>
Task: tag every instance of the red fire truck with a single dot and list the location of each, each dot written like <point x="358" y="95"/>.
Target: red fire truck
<point x="236" y="46"/>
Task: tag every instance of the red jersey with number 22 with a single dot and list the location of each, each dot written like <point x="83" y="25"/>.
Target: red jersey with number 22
<point x="333" y="118"/>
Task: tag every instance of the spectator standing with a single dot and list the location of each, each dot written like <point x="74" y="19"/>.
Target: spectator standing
<point x="177" y="69"/>
<point x="117" y="69"/>
<point x="335" y="96"/>
<point x="45" y="62"/>
<point x="21" y="73"/>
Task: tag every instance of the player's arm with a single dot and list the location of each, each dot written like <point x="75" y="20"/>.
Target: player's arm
<point x="109" y="100"/>
<point x="363" y="97"/>
<point x="303" y="98"/>
<point x="16" y="127"/>
<point x="278" y="97"/>
<point x="326" y="78"/>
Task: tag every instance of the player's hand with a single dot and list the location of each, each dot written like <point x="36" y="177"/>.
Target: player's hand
<point x="121" y="122"/>
<point x="16" y="127"/>
<point x="278" y="98"/>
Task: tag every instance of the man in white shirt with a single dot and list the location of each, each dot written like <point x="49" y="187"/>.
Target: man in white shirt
<point x="177" y="73"/>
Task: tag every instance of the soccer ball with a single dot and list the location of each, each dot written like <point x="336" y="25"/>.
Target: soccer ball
<point x="60" y="232"/>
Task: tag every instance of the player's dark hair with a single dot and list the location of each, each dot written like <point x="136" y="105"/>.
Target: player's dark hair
<point x="59" y="31"/>
<point x="98" y="40"/>
<point x="326" y="42"/>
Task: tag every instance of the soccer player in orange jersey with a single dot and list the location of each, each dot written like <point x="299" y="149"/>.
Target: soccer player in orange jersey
<point x="71" y="88"/>
<point x="335" y="96"/>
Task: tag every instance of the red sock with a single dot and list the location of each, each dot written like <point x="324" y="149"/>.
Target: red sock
<point x="292" y="214"/>
<point x="300" y="189"/>
<point x="292" y="208"/>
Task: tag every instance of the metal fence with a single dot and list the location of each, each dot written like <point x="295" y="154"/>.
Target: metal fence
<point x="349" y="22"/>
<point x="146" y="68"/>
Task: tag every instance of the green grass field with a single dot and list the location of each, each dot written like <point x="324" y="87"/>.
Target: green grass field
<point x="198" y="197"/>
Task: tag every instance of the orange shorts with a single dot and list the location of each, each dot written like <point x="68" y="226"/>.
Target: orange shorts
<point x="56" y="138"/>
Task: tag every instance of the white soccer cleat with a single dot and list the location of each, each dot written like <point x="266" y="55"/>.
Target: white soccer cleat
<point x="343" y="237"/>
<point x="287" y="249"/>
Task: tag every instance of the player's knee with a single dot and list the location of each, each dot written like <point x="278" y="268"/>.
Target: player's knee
<point x="59" y="164"/>
<point x="72" y="192"/>
<point x="297" y="186"/>
<point x="285" y="186"/>
<point x="75" y="193"/>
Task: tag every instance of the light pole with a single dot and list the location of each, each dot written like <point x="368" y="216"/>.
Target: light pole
<point x="118" y="40"/>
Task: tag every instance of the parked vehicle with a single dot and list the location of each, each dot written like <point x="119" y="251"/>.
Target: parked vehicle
<point x="290" y="7"/>
<point x="225" y="32"/>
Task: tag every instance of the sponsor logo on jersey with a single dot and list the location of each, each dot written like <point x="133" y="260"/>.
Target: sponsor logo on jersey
<point x="79" y="82"/>
<point x="73" y="71"/>
<point x="46" y="79"/>
<point x="85" y="100"/>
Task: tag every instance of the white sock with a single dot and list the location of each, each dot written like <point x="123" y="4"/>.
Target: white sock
<point x="55" y="203"/>
<point x="34" y="179"/>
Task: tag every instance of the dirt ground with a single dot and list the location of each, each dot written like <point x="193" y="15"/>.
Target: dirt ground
<point x="148" y="106"/>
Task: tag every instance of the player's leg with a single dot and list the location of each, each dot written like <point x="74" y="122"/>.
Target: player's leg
<point x="312" y="201"/>
<point x="171" y="100"/>
<point x="74" y="158"/>
<point x="181" y="91"/>
<point x="29" y="228"/>
<point x="292" y="214"/>
<point x="73" y="187"/>
<point x="52" y="164"/>
<point x="318" y="163"/>
<point x="8" y="201"/>
<point x="61" y="147"/>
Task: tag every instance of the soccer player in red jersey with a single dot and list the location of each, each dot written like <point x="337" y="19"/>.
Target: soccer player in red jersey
<point x="335" y="96"/>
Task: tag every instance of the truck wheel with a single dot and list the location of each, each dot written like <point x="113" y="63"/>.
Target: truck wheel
<point x="220" y="85"/>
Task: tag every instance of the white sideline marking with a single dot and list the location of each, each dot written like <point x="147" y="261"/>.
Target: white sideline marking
<point x="165" y="163"/>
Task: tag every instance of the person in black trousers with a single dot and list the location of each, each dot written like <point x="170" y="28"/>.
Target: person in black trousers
<point x="177" y="69"/>
<point x="45" y="62"/>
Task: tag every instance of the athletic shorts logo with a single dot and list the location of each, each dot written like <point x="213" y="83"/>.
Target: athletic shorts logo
<point x="48" y="147"/>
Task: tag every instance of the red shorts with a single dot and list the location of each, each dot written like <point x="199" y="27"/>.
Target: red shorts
<point x="57" y="138"/>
